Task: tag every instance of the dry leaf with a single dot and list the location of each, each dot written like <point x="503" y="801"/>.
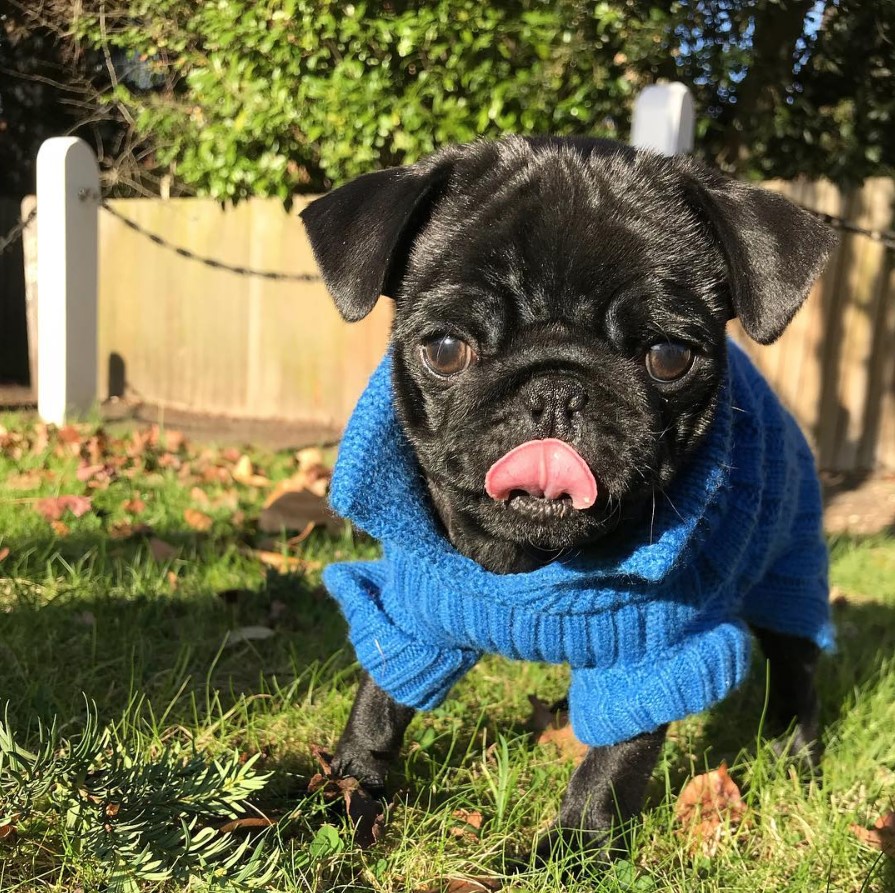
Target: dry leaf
<point x="60" y="528"/>
<point x="469" y="821"/>
<point x="553" y="728"/>
<point x="881" y="836"/>
<point x="54" y="507"/>
<point x="364" y="811"/>
<point x="244" y="473"/>
<point x="160" y="550"/>
<point x="8" y="831"/>
<point x="199" y="496"/>
<point x="4" y="553"/>
<point x="228" y="499"/>
<point x="308" y="458"/>
<point x="295" y="510"/>
<point x="100" y="474"/>
<point x="248" y="822"/>
<point x="464" y="885"/>
<point x="122" y="530"/>
<point x="285" y="564"/>
<point x="248" y="634"/>
<point x="174" y="441"/>
<point x="197" y="520"/>
<point x="133" y="506"/>
<point x="27" y="480"/>
<point x="708" y="806"/>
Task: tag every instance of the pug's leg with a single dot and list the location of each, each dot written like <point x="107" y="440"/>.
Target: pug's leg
<point x="606" y="790"/>
<point x="792" y="699"/>
<point x="372" y="738"/>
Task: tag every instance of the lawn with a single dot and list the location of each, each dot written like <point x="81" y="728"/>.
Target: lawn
<point x="169" y="670"/>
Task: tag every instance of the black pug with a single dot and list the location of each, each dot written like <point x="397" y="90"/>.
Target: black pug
<point x="563" y="455"/>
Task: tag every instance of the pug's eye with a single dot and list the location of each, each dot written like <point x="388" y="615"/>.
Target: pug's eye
<point x="668" y="361"/>
<point x="447" y="355"/>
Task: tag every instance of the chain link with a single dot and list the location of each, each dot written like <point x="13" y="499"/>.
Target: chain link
<point x="16" y="232"/>
<point x="885" y="237"/>
<point x="202" y="259"/>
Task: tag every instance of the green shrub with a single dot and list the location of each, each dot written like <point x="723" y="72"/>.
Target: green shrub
<point x="279" y="96"/>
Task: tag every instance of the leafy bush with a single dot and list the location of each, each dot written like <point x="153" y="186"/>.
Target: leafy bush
<point x="277" y="96"/>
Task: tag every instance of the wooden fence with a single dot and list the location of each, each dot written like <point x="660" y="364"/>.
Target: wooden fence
<point x="834" y="367"/>
<point x="182" y="334"/>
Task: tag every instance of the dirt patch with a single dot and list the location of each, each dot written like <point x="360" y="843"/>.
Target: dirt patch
<point x="859" y="504"/>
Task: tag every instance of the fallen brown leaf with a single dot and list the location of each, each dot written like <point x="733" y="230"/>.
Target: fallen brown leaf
<point x="173" y="440"/>
<point x="4" y="553"/>
<point x="244" y="473"/>
<point x="99" y="475"/>
<point x="464" y="885"/>
<point x="133" y="506"/>
<point x="8" y="831"/>
<point x="27" y="480"/>
<point x="468" y="822"/>
<point x="708" y="806"/>
<point x="881" y="836"/>
<point x="248" y="822"/>
<point x="54" y="507"/>
<point x="161" y="550"/>
<point x="294" y="510"/>
<point x="285" y="564"/>
<point x="365" y="812"/>
<point x="199" y="496"/>
<point x="228" y="499"/>
<point x="552" y="727"/>
<point x="309" y="457"/>
<point x="197" y="520"/>
<point x="122" y="530"/>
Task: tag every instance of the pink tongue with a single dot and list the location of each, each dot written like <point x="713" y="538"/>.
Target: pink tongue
<point x="547" y="468"/>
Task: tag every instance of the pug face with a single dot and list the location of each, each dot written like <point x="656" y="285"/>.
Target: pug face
<point x="560" y="311"/>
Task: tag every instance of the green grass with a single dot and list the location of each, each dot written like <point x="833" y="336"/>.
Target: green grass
<point x="86" y="615"/>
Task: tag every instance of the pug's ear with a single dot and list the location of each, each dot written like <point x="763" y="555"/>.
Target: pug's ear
<point x="774" y="250"/>
<point x="361" y="233"/>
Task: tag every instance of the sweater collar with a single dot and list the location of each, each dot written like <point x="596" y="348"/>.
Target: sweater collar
<point x="378" y="485"/>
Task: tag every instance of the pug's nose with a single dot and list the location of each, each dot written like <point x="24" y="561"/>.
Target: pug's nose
<point x="553" y="404"/>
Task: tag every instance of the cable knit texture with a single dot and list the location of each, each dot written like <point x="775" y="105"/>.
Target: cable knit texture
<point x="652" y="634"/>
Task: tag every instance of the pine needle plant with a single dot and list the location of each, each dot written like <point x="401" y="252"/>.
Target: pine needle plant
<point x="156" y="816"/>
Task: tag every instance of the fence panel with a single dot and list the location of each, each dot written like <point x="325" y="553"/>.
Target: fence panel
<point x="207" y="339"/>
<point x="190" y="336"/>
<point x="835" y="365"/>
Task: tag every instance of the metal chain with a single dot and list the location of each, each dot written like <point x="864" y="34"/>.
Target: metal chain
<point x="212" y="262"/>
<point x="16" y="232"/>
<point x="885" y="237"/>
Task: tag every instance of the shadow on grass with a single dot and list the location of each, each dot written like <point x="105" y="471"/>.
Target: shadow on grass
<point x="86" y="614"/>
<point x="126" y="630"/>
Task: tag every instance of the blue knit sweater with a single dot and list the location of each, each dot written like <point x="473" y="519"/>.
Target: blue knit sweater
<point x="651" y="634"/>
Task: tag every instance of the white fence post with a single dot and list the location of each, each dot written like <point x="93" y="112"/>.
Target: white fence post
<point x="664" y="119"/>
<point x="67" y="207"/>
